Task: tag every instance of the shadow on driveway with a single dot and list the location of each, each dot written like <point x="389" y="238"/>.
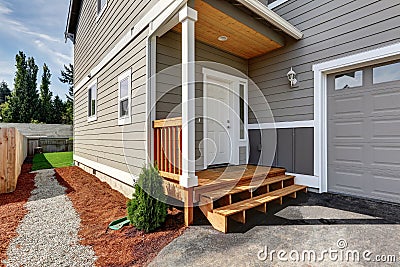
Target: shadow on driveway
<point x="310" y="222"/>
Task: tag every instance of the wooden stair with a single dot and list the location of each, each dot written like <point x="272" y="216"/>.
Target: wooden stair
<point x="224" y="203"/>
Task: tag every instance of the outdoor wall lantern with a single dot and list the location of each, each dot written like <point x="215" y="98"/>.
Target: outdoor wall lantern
<point x="292" y="78"/>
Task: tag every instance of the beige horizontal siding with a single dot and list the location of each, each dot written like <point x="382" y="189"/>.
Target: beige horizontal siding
<point x="94" y="39"/>
<point x="103" y="141"/>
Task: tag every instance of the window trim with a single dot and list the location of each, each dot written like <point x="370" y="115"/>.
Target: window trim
<point x="277" y="3"/>
<point x="92" y="117"/>
<point x="100" y="13"/>
<point x="128" y="118"/>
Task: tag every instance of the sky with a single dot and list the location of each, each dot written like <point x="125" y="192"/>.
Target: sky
<point x="37" y="28"/>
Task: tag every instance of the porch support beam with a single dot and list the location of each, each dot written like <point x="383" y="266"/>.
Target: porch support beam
<point x="188" y="18"/>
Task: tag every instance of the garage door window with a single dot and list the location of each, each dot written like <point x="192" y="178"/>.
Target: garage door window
<point x="387" y="73"/>
<point x="349" y="80"/>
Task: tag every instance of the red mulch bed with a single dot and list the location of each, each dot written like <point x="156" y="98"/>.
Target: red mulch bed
<point x="12" y="208"/>
<point x="98" y="205"/>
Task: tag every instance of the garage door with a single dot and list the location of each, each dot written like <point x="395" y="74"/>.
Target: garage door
<point x="364" y="132"/>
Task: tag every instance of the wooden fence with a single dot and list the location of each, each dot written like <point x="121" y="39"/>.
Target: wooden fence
<point x="13" y="151"/>
<point x="51" y="145"/>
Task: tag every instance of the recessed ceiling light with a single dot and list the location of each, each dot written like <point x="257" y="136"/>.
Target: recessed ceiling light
<point x="223" y="38"/>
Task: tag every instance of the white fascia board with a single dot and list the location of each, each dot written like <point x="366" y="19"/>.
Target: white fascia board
<point x="154" y="13"/>
<point x="117" y="174"/>
<point x="276" y="3"/>
<point x="273" y="18"/>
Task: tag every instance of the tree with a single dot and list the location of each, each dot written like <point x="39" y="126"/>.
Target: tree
<point x="67" y="77"/>
<point x="46" y="106"/>
<point x="4" y="92"/>
<point x="32" y="96"/>
<point x="58" y="111"/>
<point x="147" y="209"/>
<point x="23" y="102"/>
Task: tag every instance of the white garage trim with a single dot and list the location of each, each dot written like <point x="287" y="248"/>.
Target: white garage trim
<point x="321" y="72"/>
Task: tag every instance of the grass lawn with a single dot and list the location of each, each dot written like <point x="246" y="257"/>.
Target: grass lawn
<point x="52" y="160"/>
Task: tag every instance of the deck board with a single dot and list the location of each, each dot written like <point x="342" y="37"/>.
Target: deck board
<point x="231" y="173"/>
<point x="257" y="201"/>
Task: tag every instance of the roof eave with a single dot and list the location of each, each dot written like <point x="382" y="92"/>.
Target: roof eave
<point x="73" y="15"/>
<point x="273" y="18"/>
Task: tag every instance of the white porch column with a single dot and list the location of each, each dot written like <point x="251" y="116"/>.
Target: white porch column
<point x="188" y="17"/>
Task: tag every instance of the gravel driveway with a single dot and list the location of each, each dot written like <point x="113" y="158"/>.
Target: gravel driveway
<point x="312" y="222"/>
<point x="48" y="234"/>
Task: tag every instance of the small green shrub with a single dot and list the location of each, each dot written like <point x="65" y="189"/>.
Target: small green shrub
<point x="147" y="209"/>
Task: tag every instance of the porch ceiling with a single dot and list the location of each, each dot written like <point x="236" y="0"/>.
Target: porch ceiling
<point x="247" y="37"/>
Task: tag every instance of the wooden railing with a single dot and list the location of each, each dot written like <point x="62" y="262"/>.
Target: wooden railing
<point x="168" y="147"/>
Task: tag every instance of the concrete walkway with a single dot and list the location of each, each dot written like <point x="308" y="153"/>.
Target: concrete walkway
<point x="48" y="234"/>
<point x="313" y="223"/>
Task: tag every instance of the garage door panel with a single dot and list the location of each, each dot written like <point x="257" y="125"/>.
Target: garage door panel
<point x="347" y="131"/>
<point x="387" y="157"/>
<point x="352" y="155"/>
<point x="348" y="180"/>
<point x="364" y="139"/>
<point x="386" y="129"/>
<point x="385" y="103"/>
<point x="385" y="186"/>
<point x="347" y="107"/>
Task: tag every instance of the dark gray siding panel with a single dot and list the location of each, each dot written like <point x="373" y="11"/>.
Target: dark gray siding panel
<point x="304" y="151"/>
<point x="332" y="29"/>
<point x="285" y="149"/>
<point x="291" y="149"/>
<point x="255" y="147"/>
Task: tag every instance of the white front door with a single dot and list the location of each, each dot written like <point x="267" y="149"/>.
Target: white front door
<point x="218" y="122"/>
<point x="225" y="119"/>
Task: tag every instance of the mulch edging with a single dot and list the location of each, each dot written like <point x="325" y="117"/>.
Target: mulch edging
<point x="98" y="205"/>
<point x="12" y="208"/>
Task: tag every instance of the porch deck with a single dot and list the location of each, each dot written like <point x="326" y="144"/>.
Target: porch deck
<point x="221" y="193"/>
<point x="235" y="173"/>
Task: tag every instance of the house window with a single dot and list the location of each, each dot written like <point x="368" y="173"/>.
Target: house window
<point x="349" y="80"/>
<point x="387" y="73"/>
<point x="101" y="5"/>
<point x="92" y="102"/>
<point x="124" y="98"/>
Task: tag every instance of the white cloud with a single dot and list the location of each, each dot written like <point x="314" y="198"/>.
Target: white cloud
<point x="14" y="26"/>
<point x="35" y="27"/>
<point x="4" y="10"/>
<point x="56" y="56"/>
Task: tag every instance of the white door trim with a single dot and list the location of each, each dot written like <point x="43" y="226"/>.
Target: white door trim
<point x="235" y="81"/>
<point x="321" y="72"/>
